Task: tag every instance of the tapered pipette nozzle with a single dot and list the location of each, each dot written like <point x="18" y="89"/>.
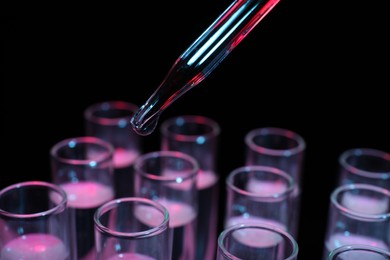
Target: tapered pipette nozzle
<point x="201" y="58"/>
<point x="143" y="122"/>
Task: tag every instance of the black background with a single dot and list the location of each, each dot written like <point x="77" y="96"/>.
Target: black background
<point x="318" y="68"/>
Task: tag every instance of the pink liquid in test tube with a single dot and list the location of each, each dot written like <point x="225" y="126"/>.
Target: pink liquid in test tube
<point x="130" y="256"/>
<point x="124" y="158"/>
<point x="35" y="247"/>
<point x="148" y="215"/>
<point x="180" y="213"/>
<point x="206" y="179"/>
<point x="266" y="188"/>
<point x="337" y="240"/>
<point x="252" y="220"/>
<point x="256" y="238"/>
<point x="183" y="222"/>
<point x="87" y="194"/>
<point x="182" y="219"/>
<point x="364" y="204"/>
<point x="85" y="197"/>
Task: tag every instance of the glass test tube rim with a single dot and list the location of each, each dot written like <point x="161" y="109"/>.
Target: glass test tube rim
<point x="164" y="225"/>
<point x="140" y="160"/>
<point x="59" y="207"/>
<point x="215" y="128"/>
<point x="343" y="160"/>
<point x="358" y="215"/>
<point x="268" y="227"/>
<point x="276" y="131"/>
<point x="83" y="140"/>
<point x="128" y="107"/>
<point x="260" y="168"/>
<point x="359" y="247"/>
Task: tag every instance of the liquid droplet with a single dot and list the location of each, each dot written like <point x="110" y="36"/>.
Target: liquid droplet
<point x="144" y="127"/>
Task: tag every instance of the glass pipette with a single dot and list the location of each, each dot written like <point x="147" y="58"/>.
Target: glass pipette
<point x="201" y="58"/>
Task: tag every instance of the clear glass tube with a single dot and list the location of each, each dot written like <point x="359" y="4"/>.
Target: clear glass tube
<point x="35" y="222"/>
<point x="83" y="167"/>
<point x="198" y="136"/>
<point x="283" y="149"/>
<point x="365" y="165"/>
<point x="132" y="228"/>
<point x="110" y="121"/>
<point x="201" y="58"/>
<point x="256" y="241"/>
<point x="169" y="177"/>
<point x="258" y="194"/>
<point x="359" y="252"/>
<point x="358" y="214"/>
